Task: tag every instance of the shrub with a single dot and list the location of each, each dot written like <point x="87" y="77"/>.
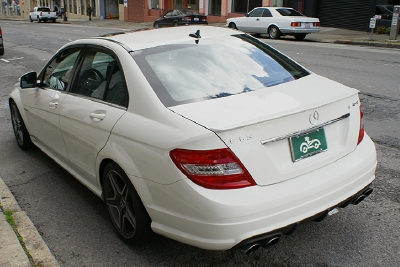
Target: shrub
<point x="381" y="30"/>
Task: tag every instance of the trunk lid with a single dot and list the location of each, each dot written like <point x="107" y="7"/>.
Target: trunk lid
<point x="257" y="125"/>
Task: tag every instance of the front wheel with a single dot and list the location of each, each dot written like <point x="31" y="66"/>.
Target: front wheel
<point x="156" y="25"/>
<point x="232" y="25"/>
<point x="30" y="19"/>
<point x="274" y="32"/>
<point x="20" y="131"/>
<point x="300" y="37"/>
<point x="127" y="212"/>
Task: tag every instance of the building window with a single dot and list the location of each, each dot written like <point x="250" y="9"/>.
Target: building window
<point x="154" y="4"/>
<point x="214" y="7"/>
<point x="245" y="6"/>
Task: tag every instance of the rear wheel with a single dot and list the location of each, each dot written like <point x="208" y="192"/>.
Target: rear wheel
<point x="30" y="19"/>
<point x="2" y="51"/>
<point x="156" y="25"/>
<point x="20" y="131"/>
<point x="175" y="24"/>
<point x="127" y="212"/>
<point x="274" y="32"/>
<point x="300" y="36"/>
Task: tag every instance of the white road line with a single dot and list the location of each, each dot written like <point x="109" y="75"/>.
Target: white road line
<point x="5" y="60"/>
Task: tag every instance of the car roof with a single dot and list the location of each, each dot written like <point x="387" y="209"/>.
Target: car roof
<point x="138" y="40"/>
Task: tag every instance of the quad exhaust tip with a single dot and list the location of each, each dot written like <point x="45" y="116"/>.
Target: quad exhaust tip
<point x="253" y="246"/>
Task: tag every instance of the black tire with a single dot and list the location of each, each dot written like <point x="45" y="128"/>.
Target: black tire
<point x="274" y="32"/>
<point x="30" y="19"/>
<point x="19" y="128"/>
<point x="54" y="21"/>
<point x="300" y="37"/>
<point x="127" y="212"/>
<point x="175" y="24"/>
<point x="38" y="19"/>
<point x="1" y="51"/>
<point x="232" y="25"/>
<point x="156" y="25"/>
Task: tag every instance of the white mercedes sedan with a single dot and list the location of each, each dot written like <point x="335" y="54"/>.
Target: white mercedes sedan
<point x="201" y="134"/>
<point x="275" y="22"/>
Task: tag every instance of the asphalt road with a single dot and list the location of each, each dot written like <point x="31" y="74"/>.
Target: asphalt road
<point x="75" y="225"/>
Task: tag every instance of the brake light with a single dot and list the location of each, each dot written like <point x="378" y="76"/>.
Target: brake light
<point x="316" y="24"/>
<point x="204" y="19"/>
<point x="295" y="24"/>
<point x="213" y="169"/>
<point x="40" y="13"/>
<point x="361" y="131"/>
<point x="186" y="18"/>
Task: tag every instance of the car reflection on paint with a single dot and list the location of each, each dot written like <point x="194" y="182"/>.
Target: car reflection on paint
<point x="178" y="17"/>
<point x="195" y="133"/>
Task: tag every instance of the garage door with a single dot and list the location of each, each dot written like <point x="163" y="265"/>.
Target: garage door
<point x="347" y="14"/>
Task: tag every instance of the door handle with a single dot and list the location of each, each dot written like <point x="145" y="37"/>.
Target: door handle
<point x="97" y="116"/>
<point x="53" y="105"/>
<point x="257" y="19"/>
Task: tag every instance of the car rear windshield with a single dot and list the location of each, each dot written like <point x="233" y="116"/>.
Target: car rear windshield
<point x="189" y="12"/>
<point x="43" y="9"/>
<point x="215" y="67"/>
<point x="289" y="12"/>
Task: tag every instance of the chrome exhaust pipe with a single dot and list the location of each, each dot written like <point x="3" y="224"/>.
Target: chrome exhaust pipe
<point x="359" y="199"/>
<point x="249" y="248"/>
<point x="368" y="192"/>
<point x="269" y="241"/>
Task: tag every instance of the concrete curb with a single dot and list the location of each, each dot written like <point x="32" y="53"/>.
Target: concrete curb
<point x="11" y="251"/>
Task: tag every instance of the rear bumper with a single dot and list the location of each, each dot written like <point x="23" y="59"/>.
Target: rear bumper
<point x="222" y="219"/>
<point x="293" y="31"/>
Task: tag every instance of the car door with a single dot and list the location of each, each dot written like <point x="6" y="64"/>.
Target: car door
<point x="252" y="21"/>
<point x="43" y="103"/>
<point x="97" y="99"/>
<point x="265" y="20"/>
<point x="167" y="21"/>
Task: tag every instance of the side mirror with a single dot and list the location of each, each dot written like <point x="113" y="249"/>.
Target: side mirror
<point x="28" y="80"/>
<point x="246" y="15"/>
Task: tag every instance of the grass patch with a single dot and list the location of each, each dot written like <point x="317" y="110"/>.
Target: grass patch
<point x="11" y="221"/>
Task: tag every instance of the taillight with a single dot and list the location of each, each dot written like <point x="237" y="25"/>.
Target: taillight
<point x="186" y="18"/>
<point x="40" y="13"/>
<point x="295" y="24"/>
<point x="316" y="24"/>
<point x="204" y="19"/>
<point x="213" y="169"/>
<point x="361" y="131"/>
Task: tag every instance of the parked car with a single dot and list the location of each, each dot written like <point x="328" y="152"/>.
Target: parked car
<point x="1" y="43"/>
<point x="205" y="135"/>
<point x="42" y="13"/>
<point x="276" y="22"/>
<point x="178" y="17"/>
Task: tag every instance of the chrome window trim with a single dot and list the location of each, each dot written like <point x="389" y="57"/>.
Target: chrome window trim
<point x="298" y="133"/>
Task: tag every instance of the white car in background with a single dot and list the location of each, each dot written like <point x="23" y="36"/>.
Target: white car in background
<point x="276" y="22"/>
<point x="205" y="135"/>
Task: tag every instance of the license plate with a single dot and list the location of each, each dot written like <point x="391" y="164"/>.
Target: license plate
<point x="196" y="19"/>
<point x="307" y="25"/>
<point x="307" y="145"/>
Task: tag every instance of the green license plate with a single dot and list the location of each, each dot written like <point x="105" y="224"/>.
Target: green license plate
<point x="307" y="145"/>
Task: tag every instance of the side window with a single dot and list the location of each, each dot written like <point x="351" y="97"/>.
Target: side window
<point x="58" y="73"/>
<point x="256" y="12"/>
<point x="169" y="14"/>
<point x="100" y="77"/>
<point x="267" y="13"/>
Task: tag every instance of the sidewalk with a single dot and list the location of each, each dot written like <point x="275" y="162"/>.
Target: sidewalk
<point x="11" y="251"/>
